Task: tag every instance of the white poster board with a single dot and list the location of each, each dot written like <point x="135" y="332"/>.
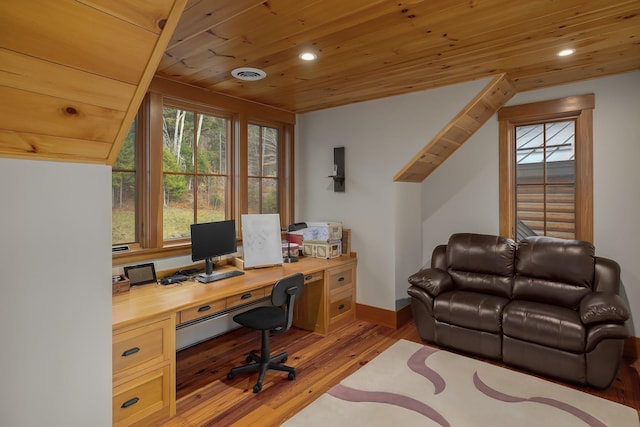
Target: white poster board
<point x="261" y="240"/>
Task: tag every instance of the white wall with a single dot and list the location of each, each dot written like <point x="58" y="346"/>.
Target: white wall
<point x="55" y="309"/>
<point x="461" y="195"/>
<point x="379" y="137"/>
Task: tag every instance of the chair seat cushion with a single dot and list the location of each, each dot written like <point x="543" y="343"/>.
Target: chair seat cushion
<point x="544" y="324"/>
<point x="262" y="318"/>
<point x="470" y="310"/>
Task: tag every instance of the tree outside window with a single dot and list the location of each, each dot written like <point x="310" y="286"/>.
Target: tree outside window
<point x="123" y="191"/>
<point x="194" y="157"/>
<point x="195" y="170"/>
<point x="263" y="154"/>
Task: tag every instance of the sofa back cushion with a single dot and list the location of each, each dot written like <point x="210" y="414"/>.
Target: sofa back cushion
<point x="554" y="271"/>
<point x="482" y="263"/>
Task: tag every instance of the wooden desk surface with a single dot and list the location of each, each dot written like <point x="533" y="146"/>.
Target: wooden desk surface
<point x="150" y="300"/>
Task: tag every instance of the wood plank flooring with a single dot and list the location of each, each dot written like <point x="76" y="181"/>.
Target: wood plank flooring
<point x="207" y="398"/>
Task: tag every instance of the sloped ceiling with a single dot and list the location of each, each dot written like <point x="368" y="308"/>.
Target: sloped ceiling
<point x="73" y="73"/>
<point x="459" y="130"/>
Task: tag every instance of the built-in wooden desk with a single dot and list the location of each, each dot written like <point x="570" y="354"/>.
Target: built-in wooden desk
<point x="145" y="319"/>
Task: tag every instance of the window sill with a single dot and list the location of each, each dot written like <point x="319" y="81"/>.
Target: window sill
<point x="135" y="255"/>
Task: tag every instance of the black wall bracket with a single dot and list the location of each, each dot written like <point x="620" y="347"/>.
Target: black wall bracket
<point x="338" y="170"/>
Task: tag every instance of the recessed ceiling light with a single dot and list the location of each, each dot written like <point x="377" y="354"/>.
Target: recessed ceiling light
<point x="566" y="52"/>
<point x="308" y="56"/>
<point x="250" y="74"/>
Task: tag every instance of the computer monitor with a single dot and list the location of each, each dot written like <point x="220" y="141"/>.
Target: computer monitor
<point x="212" y="239"/>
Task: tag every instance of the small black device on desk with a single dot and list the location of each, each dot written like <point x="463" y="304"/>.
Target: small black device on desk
<point x="189" y="271"/>
<point x="176" y="278"/>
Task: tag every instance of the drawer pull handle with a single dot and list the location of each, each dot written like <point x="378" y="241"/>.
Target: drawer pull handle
<point x="131" y="351"/>
<point x="341" y="279"/>
<point x="309" y="277"/>
<point x="246" y="296"/>
<point x="341" y="306"/>
<point x="204" y="308"/>
<point x="130" y="402"/>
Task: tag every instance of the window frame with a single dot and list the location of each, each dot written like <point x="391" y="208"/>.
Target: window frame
<point x="578" y="108"/>
<point x="241" y="113"/>
<point x="280" y="168"/>
<point x="230" y="152"/>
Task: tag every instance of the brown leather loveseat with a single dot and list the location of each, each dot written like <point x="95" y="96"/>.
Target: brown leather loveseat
<point x="544" y="304"/>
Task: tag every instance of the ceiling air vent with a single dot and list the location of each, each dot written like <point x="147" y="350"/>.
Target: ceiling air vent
<point x="250" y="74"/>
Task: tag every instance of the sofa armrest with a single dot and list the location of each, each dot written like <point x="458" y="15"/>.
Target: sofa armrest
<point x="605" y="331"/>
<point x="421" y="296"/>
<point x="599" y="307"/>
<point x="432" y="280"/>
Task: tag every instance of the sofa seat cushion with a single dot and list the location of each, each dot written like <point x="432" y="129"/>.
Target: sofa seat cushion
<point x="470" y="310"/>
<point x="544" y="324"/>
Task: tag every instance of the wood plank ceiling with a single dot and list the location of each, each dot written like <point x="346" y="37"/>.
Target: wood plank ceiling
<point x="370" y="49"/>
<point x="73" y="72"/>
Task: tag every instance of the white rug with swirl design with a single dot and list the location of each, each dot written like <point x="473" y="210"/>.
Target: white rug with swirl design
<point x="410" y="384"/>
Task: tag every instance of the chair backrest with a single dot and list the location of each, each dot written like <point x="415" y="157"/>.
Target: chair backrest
<point x="285" y="292"/>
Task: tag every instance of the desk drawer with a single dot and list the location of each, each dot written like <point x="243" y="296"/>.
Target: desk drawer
<point x="142" y="346"/>
<point x="313" y="277"/>
<point x="200" y="311"/>
<point x="340" y="279"/>
<point x="340" y="304"/>
<point x="146" y="395"/>
<point x="246" y="297"/>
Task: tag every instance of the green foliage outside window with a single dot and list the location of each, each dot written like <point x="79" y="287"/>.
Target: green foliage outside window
<point x="123" y="191"/>
<point x="263" y="169"/>
<point x="194" y="175"/>
<point x="194" y="168"/>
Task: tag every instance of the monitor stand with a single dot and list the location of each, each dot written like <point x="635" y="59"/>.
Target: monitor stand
<point x="207" y="276"/>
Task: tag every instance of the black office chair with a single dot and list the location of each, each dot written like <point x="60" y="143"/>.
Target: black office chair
<point x="273" y="318"/>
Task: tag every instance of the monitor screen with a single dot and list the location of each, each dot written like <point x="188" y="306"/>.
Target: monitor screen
<point x="212" y="239"/>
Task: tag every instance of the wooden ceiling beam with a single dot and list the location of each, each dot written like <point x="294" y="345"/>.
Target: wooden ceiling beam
<point x="459" y="130"/>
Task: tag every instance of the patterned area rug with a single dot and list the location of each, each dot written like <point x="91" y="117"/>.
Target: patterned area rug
<point x="410" y="384"/>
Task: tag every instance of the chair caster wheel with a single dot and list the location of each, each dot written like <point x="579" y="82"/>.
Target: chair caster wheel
<point x="257" y="388"/>
<point x="230" y="376"/>
<point x="248" y="359"/>
<point x="284" y="360"/>
<point x="291" y="376"/>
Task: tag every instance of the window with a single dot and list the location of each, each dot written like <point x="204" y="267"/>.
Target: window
<point x="194" y="156"/>
<point x="123" y="191"/>
<point x="263" y="169"/>
<point x="546" y="185"/>
<point x="546" y="178"/>
<point x="195" y="165"/>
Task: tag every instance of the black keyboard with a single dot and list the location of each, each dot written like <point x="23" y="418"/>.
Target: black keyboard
<point x="203" y="278"/>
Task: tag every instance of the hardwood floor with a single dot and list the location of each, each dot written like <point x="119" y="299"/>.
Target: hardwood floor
<point x="207" y="398"/>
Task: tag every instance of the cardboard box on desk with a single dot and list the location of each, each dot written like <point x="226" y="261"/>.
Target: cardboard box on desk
<point x="322" y="232"/>
<point x="326" y="250"/>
